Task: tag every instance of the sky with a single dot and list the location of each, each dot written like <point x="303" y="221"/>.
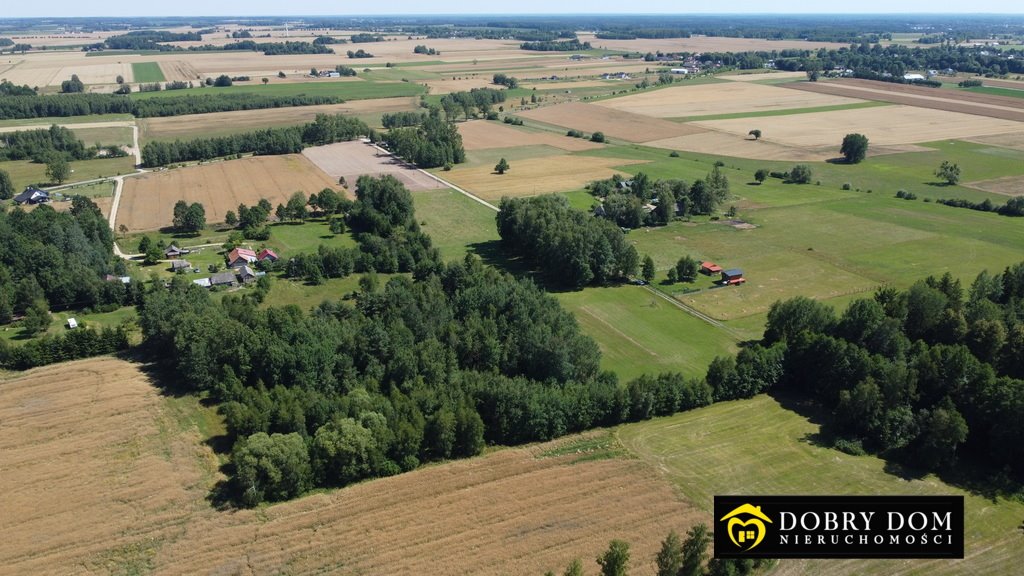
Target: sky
<point x="69" y="8"/>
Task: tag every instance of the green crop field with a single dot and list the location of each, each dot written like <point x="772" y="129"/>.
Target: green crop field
<point x="640" y="333"/>
<point x="147" y="72"/>
<point x="454" y="222"/>
<point x="997" y="91"/>
<point x="66" y="120"/>
<point x="26" y="172"/>
<point x="758" y="447"/>
<point x="348" y="90"/>
<point x="111" y="136"/>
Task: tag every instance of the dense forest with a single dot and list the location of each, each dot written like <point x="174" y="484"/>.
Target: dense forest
<point x="326" y="129"/>
<point x="42" y="144"/>
<point x="555" y="45"/>
<point x="417" y="370"/>
<point x="477" y="100"/>
<point x="58" y="260"/>
<point x="570" y="247"/>
<point x="30" y="106"/>
<point x="434" y="142"/>
<point x="926" y="376"/>
<point x="155" y="40"/>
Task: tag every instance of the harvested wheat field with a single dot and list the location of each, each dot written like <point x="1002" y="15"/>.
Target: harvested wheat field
<point x="1003" y="107"/>
<point x="102" y="474"/>
<point x="614" y="123"/>
<point x="1013" y="140"/>
<point x="742" y="146"/>
<point x="759" y="76"/>
<point x="1008" y="185"/>
<point x="195" y="125"/>
<point x="449" y="85"/>
<point x="720" y="98"/>
<point x="350" y="160"/>
<point x="883" y="125"/>
<point x="147" y="202"/>
<point x="536" y="176"/>
<point x="484" y="134"/>
<point x="556" y="85"/>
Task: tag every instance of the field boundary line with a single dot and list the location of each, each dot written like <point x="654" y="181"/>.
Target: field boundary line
<point x="439" y="179"/>
<point x="692" y="311"/>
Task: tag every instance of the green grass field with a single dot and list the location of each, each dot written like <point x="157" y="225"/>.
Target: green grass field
<point x="113" y="136"/>
<point x="13" y="333"/>
<point x="996" y="91"/>
<point x="147" y="72"/>
<point x="348" y="90"/>
<point x="94" y="190"/>
<point x="66" y="120"/>
<point x="453" y="221"/>
<point x="758" y="447"/>
<point x="26" y="172"/>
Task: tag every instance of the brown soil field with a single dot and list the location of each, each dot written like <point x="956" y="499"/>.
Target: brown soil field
<point x="1012" y="140"/>
<point x="195" y="125"/>
<point x="1008" y="185"/>
<point x="147" y="201"/>
<point x="354" y="159"/>
<point x="1003" y="107"/>
<point x="883" y="125"/>
<point x="102" y="474"/>
<point x="614" y="123"/>
<point x="535" y="176"/>
<point x="705" y="44"/>
<point x="719" y="98"/>
<point x="740" y="146"/>
<point x="484" y="134"/>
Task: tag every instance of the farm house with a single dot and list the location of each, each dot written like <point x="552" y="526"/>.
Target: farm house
<point x="732" y="277"/>
<point x="32" y="196"/>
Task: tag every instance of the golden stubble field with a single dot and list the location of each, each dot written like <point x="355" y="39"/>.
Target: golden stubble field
<point x="102" y="474"/>
<point x="614" y="123"/>
<point x="534" y="176"/>
<point x="720" y="98"/>
<point x="147" y="201"/>
<point x="485" y="134"/>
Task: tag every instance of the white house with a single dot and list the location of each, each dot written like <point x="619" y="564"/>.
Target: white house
<point x="680" y="71"/>
<point x="912" y="77"/>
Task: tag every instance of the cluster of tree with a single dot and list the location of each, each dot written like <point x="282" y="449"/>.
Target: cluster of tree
<point x="360" y="53"/>
<point x="364" y="37"/>
<point x="72" y="86"/>
<point x="8" y="88"/>
<point x="925" y="376"/>
<point x="41" y="145"/>
<point x="434" y="142"/>
<point x="634" y="33"/>
<point x="252" y="220"/>
<point x="189" y="217"/>
<point x="6" y="186"/>
<point x="890" y="63"/>
<point x="402" y="119"/>
<point x="685" y="270"/>
<point x="58" y="260"/>
<point x="623" y="201"/>
<point x="970" y="83"/>
<point x="556" y="46"/>
<point x="79" y="343"/>
<point x="569" y="247"/>
<point x="799" y="174"/>
<point x="477" y="100"/>
<point x="237" y="34"/>
<point x="24" y="107"/>
<point x="329" y="40"/>
<point x="149" y="40"/>
<point x="421" y="49"/>
<point x="345" y="70"/>
<point x="1013" y="207"/>
<point x="324" y="130"/>
<point x="268" y="48"/>
<point x="509" y="82"/>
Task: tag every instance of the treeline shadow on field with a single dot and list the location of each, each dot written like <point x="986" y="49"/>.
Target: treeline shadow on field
<point x="973" y="476"/>
<point x="223" y="495"/>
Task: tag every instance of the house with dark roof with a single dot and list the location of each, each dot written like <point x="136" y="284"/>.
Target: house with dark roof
<point x="180" y="265"/>
<point x="173" y="251"/>
<point x="32" y="195"/>
<point x="246" y="274"/>
<point x="226" y="278"/>
<point x="732" y="277"/>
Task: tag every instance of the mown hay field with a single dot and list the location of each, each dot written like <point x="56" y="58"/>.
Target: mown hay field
<point x="485" y="134"/>
<point x="103" y="474"/>
<point x="720" y="98"/>
<point x="533" y="176"/>
<point x="350" y="160"/>
<point x="147" y="202"/>
<point x="613" y="123"/>
<point x="756" y="446"/>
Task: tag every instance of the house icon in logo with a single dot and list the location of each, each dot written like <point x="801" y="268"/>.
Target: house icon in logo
<point x="746" y="525"/>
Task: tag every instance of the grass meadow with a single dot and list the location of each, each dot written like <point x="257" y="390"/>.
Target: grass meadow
<point x="147" y="72"/>
<point x="758" y="446"/>
<point x="346" y="90"/>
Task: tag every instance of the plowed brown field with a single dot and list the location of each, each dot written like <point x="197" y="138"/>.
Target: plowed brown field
<point x="147" y="202"/>
<point x="100" y="474"/>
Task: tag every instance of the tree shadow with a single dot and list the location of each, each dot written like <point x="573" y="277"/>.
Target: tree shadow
<point x="938" y="184"/>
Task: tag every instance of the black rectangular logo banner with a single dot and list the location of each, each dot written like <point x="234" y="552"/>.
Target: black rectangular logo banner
<point x="839" y="527"/>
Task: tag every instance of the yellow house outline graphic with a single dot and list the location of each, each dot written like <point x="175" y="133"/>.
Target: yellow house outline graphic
<point x="758" y="520"/>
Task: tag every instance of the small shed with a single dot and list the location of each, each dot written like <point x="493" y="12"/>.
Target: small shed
<point x="708" y="268"/>
<point x="72" y="323"/>
<point x="180" y="265"/>
<point x="173" y="251"/>
<point x="732" y="277"/>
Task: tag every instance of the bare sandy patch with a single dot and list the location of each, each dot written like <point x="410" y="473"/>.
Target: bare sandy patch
<point x="883" y="125"/>
<point x="147" y="201"/>
<point x="614" y="123"/>
<point x="535" y="176"/>
<point x="1008" y="185"/>
<point x="354" y="159"/>
<point x="484" y="134"/>
<point x="720" y="98"/>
